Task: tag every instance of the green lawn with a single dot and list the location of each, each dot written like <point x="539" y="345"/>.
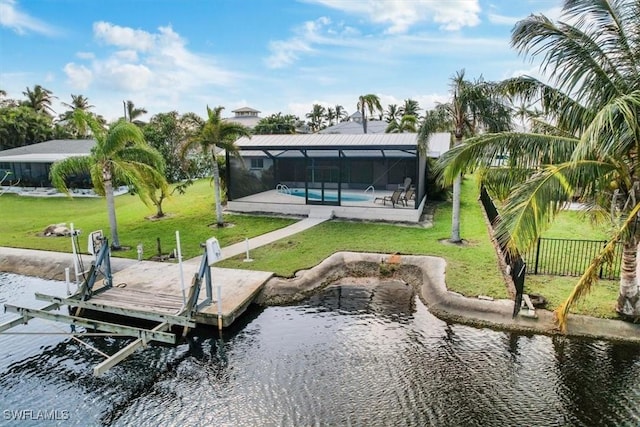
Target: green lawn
<point x="472" y="269"/>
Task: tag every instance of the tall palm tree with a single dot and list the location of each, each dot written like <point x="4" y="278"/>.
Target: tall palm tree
<point x="217" y="133"/>
<point x="371" y="103"/>
<point x="588" y="146"/>
<point x="121" y="155"/>
<point x="131" y="113"/>
<point x="316" y="117"/>
<point x="474" y="106"/>
<point x="331" y="115"/>
<point x="39" y="99"/>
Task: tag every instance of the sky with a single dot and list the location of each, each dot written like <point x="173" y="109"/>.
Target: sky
<point x="271" y="55"/>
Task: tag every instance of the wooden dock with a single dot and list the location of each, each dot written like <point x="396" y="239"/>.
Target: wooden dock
<point x="156" y="287"/>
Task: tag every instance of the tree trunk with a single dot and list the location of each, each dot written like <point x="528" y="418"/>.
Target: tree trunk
<point x="111" y="206"/>
<point x="218" y="195"/>
<point x="629" y="294"/>
<point x="455" y="212"/>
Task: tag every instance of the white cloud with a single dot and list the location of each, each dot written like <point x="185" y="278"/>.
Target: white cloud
<point x="402" y="15"/>
<point x="124" y="37"/>
<point x="498" y="19"/>
<point x="78" y="76"/>
<point x="22" y="23"/>
<point x="144" y="60"/>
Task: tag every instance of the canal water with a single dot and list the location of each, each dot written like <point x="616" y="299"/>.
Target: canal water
<point x="359" y="354"/>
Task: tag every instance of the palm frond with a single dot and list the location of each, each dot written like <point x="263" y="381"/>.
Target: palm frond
<point x="120" y="135"/>
<point x="61" y="170"/>
<point x="592" y="273"/>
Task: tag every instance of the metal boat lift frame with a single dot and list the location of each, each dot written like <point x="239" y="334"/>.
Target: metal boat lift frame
<point x="82" y="300"/>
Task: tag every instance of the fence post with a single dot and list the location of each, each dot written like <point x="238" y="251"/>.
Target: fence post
<point x="535" y="268"/>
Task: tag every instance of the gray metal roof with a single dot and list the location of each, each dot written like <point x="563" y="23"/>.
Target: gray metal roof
<point x="353" y="127"/>
<point x="55" y="147"/>
<point x="278" y="144"/>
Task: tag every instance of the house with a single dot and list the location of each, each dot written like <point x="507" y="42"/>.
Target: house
<point x="30" y="164"/>
<point x="245" y="116"/>
<point x="289" y="173"/>
<point x="354" y="126"/>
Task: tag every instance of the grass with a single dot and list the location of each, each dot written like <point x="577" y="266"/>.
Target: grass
<point x="472" y="269"/>
<point x="24" y="219"/>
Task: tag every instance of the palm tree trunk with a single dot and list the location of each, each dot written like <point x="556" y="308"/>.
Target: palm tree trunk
<point x="111" y="206"/>
<point x="218" y="195"/>
<point x="455" y="212"/>
<point x="629" y="294"/>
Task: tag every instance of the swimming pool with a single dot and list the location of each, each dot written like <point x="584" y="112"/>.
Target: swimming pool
<point x="331" y="195"/>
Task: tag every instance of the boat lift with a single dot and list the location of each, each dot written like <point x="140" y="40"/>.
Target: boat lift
<point x="81" y="300"/>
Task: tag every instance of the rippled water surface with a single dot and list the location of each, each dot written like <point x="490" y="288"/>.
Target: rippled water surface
<point x="356" y="354"/>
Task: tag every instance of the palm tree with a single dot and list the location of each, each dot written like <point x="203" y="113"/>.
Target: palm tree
<point x="331" y="115"/>
<point x="214" y="134"/>
<point x="369" y="102"/>
<point x="39" y="99"/>
<point x="410" y="108"/>
<point x="392" y="113"/>
<point x="474" y="106"/>
<point x="131" y="113"/>
<point x="407" y="123"/>
<point x="79" y="127"/>
<point x="341" y="113"/>
<point x="588" y="145"/>
<point x="316" y="117"/>
<point x="121" y="155"/>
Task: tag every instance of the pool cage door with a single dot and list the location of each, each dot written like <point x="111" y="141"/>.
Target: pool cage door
<point x="323" y="184"/>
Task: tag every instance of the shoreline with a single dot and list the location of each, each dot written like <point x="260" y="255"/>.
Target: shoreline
<point x="425" y="273"/>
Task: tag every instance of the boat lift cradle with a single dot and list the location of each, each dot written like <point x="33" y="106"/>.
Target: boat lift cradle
<point x="82" y="300"/>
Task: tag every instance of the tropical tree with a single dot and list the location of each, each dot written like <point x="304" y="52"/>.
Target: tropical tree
<point x="121" y="155"/>
<point x="217" y="134"/>
<point x="316" y="117"/>
<point x="331" y="115"/>
<point x="39" y="99"/>
<point x="392" y="113"/>
<point x="371" y="103"/>
<point x="474" y="106"/>
<point x="131" y="113"/>
<point x="276" y="124"/>
<point x="341" y="113"/>
<point x="74" y="123"/>
<point x="20" y="126"/>
<point x="410" y="108"/>
<point x="587" y="146"/>
<point x="406" y="123"/>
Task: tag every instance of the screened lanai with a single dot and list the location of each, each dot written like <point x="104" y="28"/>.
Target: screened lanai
<point x="332" y="169"/>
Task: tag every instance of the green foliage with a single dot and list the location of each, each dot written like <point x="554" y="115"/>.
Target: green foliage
<point x="276" y="124"/>
<point x="20" y="126"/>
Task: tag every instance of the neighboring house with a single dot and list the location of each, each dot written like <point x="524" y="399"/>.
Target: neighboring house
<point x="31" y="164"/>
<point x="245" y="116"/>
<point x="354" y="126"/>
<point x="334" y="165"/>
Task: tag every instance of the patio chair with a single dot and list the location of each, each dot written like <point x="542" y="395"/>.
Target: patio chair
<point x="395" y="198"/>
<point x="410" y="194"/>
<point x="405" y="185"/>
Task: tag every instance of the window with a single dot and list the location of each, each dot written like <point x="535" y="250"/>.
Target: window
<point x="257" y="163"/>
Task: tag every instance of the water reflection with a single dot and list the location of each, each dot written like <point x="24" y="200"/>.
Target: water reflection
<point x="355" y="354"/>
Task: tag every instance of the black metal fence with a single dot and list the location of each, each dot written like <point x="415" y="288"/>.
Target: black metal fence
<point x="571" y="257"/>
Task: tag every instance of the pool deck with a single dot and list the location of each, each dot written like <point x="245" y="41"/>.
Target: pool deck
<point x="275" y="202"/>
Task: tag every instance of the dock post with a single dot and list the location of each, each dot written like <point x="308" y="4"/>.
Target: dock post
<point x="247" y="257"/>
<point x="184" y="297"/>
<point x="66" y="279"/>
<point x="219" y="307"/>
<point x="76" y="267"/>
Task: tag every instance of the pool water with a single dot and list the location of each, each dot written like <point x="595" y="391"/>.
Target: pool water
<point x="331" y="195"/>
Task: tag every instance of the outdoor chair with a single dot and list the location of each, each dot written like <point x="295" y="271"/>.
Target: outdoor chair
<point x="395" y="198"/>
<point x="405" y="185"/>
<point x="410" y="194"/>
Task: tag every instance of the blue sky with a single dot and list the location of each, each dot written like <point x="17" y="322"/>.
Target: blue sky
<point x="272" y="55"/>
